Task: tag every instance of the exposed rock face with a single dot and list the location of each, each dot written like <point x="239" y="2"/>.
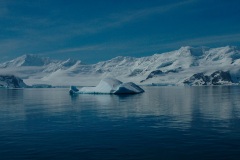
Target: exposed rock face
<point x="10" y="81"/>
<point x="135" y="72"/>
<point x="216" y="78"/>
<point x="198" y="79"/>
<point x="155" y="73"/>
<point x="221" y="77"/>
<point x="41" y="86"/>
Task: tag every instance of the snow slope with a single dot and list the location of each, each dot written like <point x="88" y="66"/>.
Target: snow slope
<point x="171" y="68"/>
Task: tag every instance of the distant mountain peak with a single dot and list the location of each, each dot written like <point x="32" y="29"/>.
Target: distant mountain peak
<point x="193" y="51"/>
<point x="70" y="62"/>
<point x="37" y="60"/>
<point x="27" y="60"/>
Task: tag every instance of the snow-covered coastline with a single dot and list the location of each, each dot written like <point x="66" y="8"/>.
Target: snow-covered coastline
<point x="185" y="66"/>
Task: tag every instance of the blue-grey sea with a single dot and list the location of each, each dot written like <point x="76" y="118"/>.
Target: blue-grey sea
<point x="162" y="123"/>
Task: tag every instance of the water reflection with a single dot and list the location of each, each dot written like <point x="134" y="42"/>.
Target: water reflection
<point x="163" y="122"/>
<point x="220" y="102"/>
<point x="177" y="107"/>
<point x="179" y="104"/>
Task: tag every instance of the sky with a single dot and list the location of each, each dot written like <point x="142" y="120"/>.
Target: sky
<point x="98" y="30"/>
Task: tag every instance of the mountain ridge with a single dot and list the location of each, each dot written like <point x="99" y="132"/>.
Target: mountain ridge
<point x="169" y="68"/>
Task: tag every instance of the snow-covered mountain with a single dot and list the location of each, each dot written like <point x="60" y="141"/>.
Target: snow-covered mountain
<point x="26" y="60"/>
<point x="187" y="65"/>
<point x="31" y="60"/>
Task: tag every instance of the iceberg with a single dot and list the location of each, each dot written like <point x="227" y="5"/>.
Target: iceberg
<point x="108" y="86"/>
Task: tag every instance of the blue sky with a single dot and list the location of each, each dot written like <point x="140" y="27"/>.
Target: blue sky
<point x="96" y="30"/>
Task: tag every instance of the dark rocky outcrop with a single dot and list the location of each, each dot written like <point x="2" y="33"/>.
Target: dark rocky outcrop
<point x="216" y="78"/>
<point x="135" y="72"/>
<point x="174" y="70"/>
<point x="10" y="81"/>
<point x="41" y="86"/>
<point x="219" y="77"/>
<point x="155" y="73"/>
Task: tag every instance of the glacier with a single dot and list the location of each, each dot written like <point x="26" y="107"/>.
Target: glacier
<point x="108" y="86"/>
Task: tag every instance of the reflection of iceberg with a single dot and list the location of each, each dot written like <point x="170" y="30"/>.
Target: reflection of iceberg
<point x="109" y="86"/>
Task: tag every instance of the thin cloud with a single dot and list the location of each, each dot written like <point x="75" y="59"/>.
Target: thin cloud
<point x="75" y="49"/>
<point x="140" y="46"/>
<point x="9" y="45"/>
<point x="209" y="40"/>
<point x="117" y="20"/>
<point x="223" y="40"/>
<point x="3" y="8"/>
<point x="52" y="28"/>
<point x="121" y="19"/>
<point x="216" y="39"/>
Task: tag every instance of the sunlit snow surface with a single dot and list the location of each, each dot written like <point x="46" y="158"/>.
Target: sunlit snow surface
<point x="108" y="86"/>
<point x="170" y="68"/>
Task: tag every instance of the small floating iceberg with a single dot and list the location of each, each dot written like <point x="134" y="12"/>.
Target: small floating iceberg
<point x="108" y="86"/>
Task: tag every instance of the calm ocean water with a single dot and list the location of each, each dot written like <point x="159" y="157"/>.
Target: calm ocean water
<point x="162" y="123"/>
